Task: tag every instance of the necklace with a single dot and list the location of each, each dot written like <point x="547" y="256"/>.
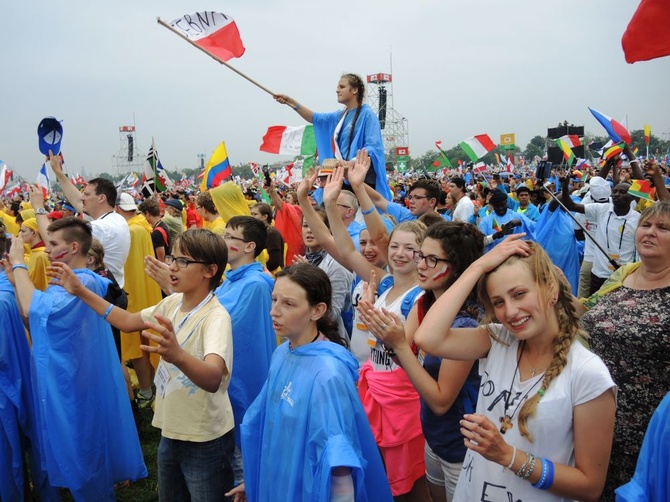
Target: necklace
<point x="506" y="419"/>
<point x="290" y="346"/>
<point x="534" y="370"/>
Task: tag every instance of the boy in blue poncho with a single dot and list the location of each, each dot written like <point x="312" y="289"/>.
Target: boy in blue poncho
<point x="86" y="430"/>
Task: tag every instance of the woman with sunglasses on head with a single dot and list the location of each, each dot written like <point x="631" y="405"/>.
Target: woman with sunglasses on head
<point x="340" y="134"/>
<point x="545" y="411"/>
<point x="448" y="389"/>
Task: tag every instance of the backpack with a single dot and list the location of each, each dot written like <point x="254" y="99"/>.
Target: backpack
<point x="407" y="302"/>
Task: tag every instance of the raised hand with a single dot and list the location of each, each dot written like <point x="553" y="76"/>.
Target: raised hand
<point x="307" y="183"/>
<point x="513" y="244"/>
<point x="333" y="187"/>
<point x="359" y="170"/>
<point x="56" y="163"/>
<point x="36" y="196"/>
<point x="158" y="271"/>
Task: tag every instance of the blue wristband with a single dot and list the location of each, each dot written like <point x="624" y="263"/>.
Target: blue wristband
<point x="543" y="477"/>
<point x="369" y="211"/>
<point x="296" y="107"/>
<point x="109" y="309"/>
<point x="550" y="476"/>
<point x="19" y="265"/>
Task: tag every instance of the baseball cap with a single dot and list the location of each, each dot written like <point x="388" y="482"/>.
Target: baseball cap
<point x="55" y="215"/>
<point x="600" y="189"/>
<point x="126" y="202"/>
<point x="50" y="134"/>
<point x="69" y="208"/>
<point x="174" y="203"/>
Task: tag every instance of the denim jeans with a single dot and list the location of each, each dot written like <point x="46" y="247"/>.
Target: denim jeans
<point x="199" y="472"/>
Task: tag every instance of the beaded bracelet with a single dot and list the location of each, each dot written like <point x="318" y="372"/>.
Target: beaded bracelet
<point x="512" y="461"/>
<point x="369" y="211"/>
<point x="19" y="265"/>
<point x="530" y="458"/>
<point x="109" y="309"/>
<point x="531" y="468"/>
<point x="543" y="476"/>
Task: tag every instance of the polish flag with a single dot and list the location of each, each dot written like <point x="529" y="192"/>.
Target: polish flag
<point x="5" y="175"/>
<point x="213" y="31"/>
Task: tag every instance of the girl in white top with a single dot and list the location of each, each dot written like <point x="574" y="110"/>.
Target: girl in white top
<point x="395" y="418"/>
<point x="545" y="413"/>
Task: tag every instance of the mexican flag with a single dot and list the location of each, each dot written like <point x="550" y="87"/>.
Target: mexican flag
<point x="477" y="146"/>
<point x="287" y="140"/>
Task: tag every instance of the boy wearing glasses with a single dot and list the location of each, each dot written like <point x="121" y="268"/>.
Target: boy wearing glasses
<point x="194" y="339"/>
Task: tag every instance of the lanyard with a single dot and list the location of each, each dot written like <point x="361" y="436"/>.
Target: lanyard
<point x="607" y="234"/>
<point x="193" y="311"/>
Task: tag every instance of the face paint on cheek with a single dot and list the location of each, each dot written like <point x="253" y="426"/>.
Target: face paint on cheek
<point x="233" y="248"/>
<point x="442" y="273"/>
<point x="60" y="255"/>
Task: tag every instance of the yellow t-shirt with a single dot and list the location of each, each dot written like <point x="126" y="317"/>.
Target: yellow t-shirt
<point x="218" y="226"/>
<point x="187" y="412"/>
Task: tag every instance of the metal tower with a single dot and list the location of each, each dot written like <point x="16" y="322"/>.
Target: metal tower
<point x="129" y="158"/>
<point x="394" y="125"/>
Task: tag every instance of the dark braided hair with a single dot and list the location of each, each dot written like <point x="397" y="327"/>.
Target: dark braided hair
<point x="357" y="83"/>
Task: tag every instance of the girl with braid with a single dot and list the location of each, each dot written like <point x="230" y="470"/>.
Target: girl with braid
<point x="342" y="133"/>
<point x="544" y="422"/>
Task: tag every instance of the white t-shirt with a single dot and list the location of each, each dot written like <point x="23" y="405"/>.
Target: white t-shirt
<point x="187" y="412"/>
<point x="378" y="356"/>
<point x="464" y="210"/>
<point x="616" y="234"/>
<point x="584" y="378"/>
<point x="111" y="229"/>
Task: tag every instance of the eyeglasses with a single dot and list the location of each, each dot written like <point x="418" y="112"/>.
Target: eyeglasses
<point x="431" y="260"/>
<point x="229" y="237"/>
<point x="181" y="262"/>
<point x="416" y="197"/>
<point x="343" y="206"/>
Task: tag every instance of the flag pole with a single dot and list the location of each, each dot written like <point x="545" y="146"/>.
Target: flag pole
<point x="166" y="25"/>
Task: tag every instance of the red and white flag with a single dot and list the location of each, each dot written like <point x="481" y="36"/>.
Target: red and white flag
<point x="5" y="175"/>
<point x="212" y="31"/>
<point x="480" y="167"/>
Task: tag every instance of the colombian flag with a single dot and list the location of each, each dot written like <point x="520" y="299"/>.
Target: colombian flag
<point x="218" y="169"/>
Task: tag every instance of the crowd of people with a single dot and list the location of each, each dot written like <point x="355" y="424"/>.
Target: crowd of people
<point x="359" y="337"/>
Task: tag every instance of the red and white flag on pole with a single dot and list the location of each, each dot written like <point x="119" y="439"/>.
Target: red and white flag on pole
<point x="5" y="175"/>
<point x="213" y="31"/>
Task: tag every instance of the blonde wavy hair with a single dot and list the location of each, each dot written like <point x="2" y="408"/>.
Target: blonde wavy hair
<point x="551" y="284"/>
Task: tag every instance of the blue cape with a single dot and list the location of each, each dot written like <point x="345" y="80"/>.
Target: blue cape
<point x="651" y="481"/>
<point x="18" y="418"/>
<point x="556" y="234"/>
<point x="367" y="135"/>
<point x="247" y="296"/>
<point x="486" y="225"/>
<point x="88" y="434"/>
<point x="307" y="420"/>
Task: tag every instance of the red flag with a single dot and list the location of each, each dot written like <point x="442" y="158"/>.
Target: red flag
<point x="647" y="36"/>
<point x="213" y="31"/>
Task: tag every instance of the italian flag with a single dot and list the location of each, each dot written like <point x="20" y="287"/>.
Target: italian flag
<point x="214" y="32"/>
<point x="477" y="146"/>
<point x="287" y="140"/>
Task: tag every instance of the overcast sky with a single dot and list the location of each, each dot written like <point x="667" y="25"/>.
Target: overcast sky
<point x="459" y="68"/>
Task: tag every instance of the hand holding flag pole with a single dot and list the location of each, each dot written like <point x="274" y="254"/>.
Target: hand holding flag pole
<point x="209" y="19"/>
